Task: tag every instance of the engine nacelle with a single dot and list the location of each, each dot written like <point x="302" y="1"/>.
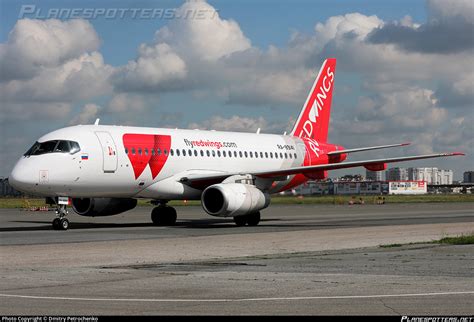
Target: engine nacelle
<point x="376" y="167"/>
<point x="233" y="199"/>
<point x="92" y="207"/>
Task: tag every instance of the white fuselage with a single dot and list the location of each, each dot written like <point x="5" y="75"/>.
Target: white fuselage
<point x="118" y="161"/>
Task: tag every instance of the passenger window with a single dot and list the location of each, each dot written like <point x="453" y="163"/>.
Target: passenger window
<point x="126" y="151"/>
<point x="159" y="151"/>
<point x="261" y="155"/>
<point x="251" y="154"/>
<point x="271" y="155"/>
<point x="177" y="152"/>
<point x="219" y="153"/>
<point x="146" y="151"/>
<point x="240" y="153"/>
<point x="165" y="152"/>
<point x="223" y="154"/>
<point x="140" y="151"/>
<point x="281" y="155"/>
<point x="184" y="152"/>
<point x="235" y="154"/>
<point x="245" y="153"/>
<point x="190" y="153"/>
<point x="202" y="153"/>
<point x="296" y="157"/>
<point x="276" y="155"/>
<point x="195" y="153"/>
<point x="286" y="156"/>
<point x="266" y="155"/>
<point x="133" y="151"/>
<point x="152" y="151"/>
<point x="213" y="153"/>
<point x="171" y="152"/>
<point x="208" y="153"/>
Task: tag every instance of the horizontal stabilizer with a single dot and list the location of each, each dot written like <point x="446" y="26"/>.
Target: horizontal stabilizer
<point x="367" y="148"/>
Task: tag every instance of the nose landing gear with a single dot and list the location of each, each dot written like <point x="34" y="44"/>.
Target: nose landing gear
<point x="60" y="222"/>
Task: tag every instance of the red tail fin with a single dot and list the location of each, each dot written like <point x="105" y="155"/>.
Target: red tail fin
<point x="313" y="121"/>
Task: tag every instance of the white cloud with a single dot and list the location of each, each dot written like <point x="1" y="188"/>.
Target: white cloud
<point x="21" y="111"/>
<point x="69" y="81"/>
<point x="209" y="38"/>
<point x="87" y="115"/>
<point x="33" y="44"/>
<point x="158" y="67"/>
<point x="238" y="124"/>
<point x="441" y="9"/>
<point x="126" y="102"/>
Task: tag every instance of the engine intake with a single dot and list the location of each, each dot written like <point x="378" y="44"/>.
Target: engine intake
<point x="92" y="207"/>
<point x="233" y="199"/>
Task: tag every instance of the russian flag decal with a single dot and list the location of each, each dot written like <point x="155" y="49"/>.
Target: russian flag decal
<point x="85" y="157"/>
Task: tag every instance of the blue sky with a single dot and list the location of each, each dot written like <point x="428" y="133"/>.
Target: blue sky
<point x="393" y="82"/>
<point x="264" y="22"/>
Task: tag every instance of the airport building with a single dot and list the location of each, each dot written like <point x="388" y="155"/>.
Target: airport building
<point x="361" y="188"/>
<point x="396" y="174"/>
<point x="374" y="175"/>
<point x="431" y="175"/>
<point x="468" y="177"/>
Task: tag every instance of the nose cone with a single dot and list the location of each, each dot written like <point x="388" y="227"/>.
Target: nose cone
<point x="21" y="178"/>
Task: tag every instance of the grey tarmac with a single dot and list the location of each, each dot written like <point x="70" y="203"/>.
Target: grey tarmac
<point x="311" y="259"/>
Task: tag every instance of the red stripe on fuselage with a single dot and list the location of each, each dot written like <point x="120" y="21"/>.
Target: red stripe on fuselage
<point x="149" y="149"/>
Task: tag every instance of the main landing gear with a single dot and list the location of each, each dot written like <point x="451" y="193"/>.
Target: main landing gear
<point x="60" y="222"/>
<point x="250" y="219"/>
<point x="163" y="215"/>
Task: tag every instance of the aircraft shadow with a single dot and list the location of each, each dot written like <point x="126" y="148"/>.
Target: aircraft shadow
<point x="199" y="224"/>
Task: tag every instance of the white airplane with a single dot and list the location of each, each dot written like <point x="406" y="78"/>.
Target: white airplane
<point x="102" y="170"/>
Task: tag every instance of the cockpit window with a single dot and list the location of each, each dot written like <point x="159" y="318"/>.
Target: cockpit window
<point x="59" y="146"/>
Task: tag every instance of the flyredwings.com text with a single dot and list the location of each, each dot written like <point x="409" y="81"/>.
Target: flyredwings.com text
<point x="212" y="144"/>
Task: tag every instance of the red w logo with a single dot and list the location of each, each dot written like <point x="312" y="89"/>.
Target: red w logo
<point x="144" y="149"/>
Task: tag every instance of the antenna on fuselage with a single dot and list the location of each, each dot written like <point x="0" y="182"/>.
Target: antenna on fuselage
<point x="284" y="133"/>
<point x="97" y="122"/>
<point x="258" y="131"/>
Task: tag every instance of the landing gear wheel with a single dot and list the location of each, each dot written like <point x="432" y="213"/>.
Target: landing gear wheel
<point x="240" y="220"/>
<point x="60" y="222"/>
<point x="164" y="216"/>
<point x="64" y="224"/>
<point x="56" y="223"/>
<point x="253" y="219"/>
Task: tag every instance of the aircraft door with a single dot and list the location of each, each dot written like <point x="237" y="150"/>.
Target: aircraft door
<point x="109" y="151"/>
<point x="303" y="150"/>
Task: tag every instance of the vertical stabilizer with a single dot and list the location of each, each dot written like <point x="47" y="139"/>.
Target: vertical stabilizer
<point x="313" y="121"/>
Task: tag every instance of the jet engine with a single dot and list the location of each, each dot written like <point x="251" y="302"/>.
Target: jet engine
<point x="92" y="207"/>
<point x="233" y="199"/>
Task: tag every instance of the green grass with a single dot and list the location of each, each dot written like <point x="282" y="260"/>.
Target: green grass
<point x="391" y="245"/>
<point x="459" y="240"/>
<point x="456" y="240"/>
<point x="281" y="200"/>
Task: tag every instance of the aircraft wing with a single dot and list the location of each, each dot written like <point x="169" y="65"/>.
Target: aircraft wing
<point x="367" y="148"/>
<point x="344" y="165"/>
<point x="201" y="181"/>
